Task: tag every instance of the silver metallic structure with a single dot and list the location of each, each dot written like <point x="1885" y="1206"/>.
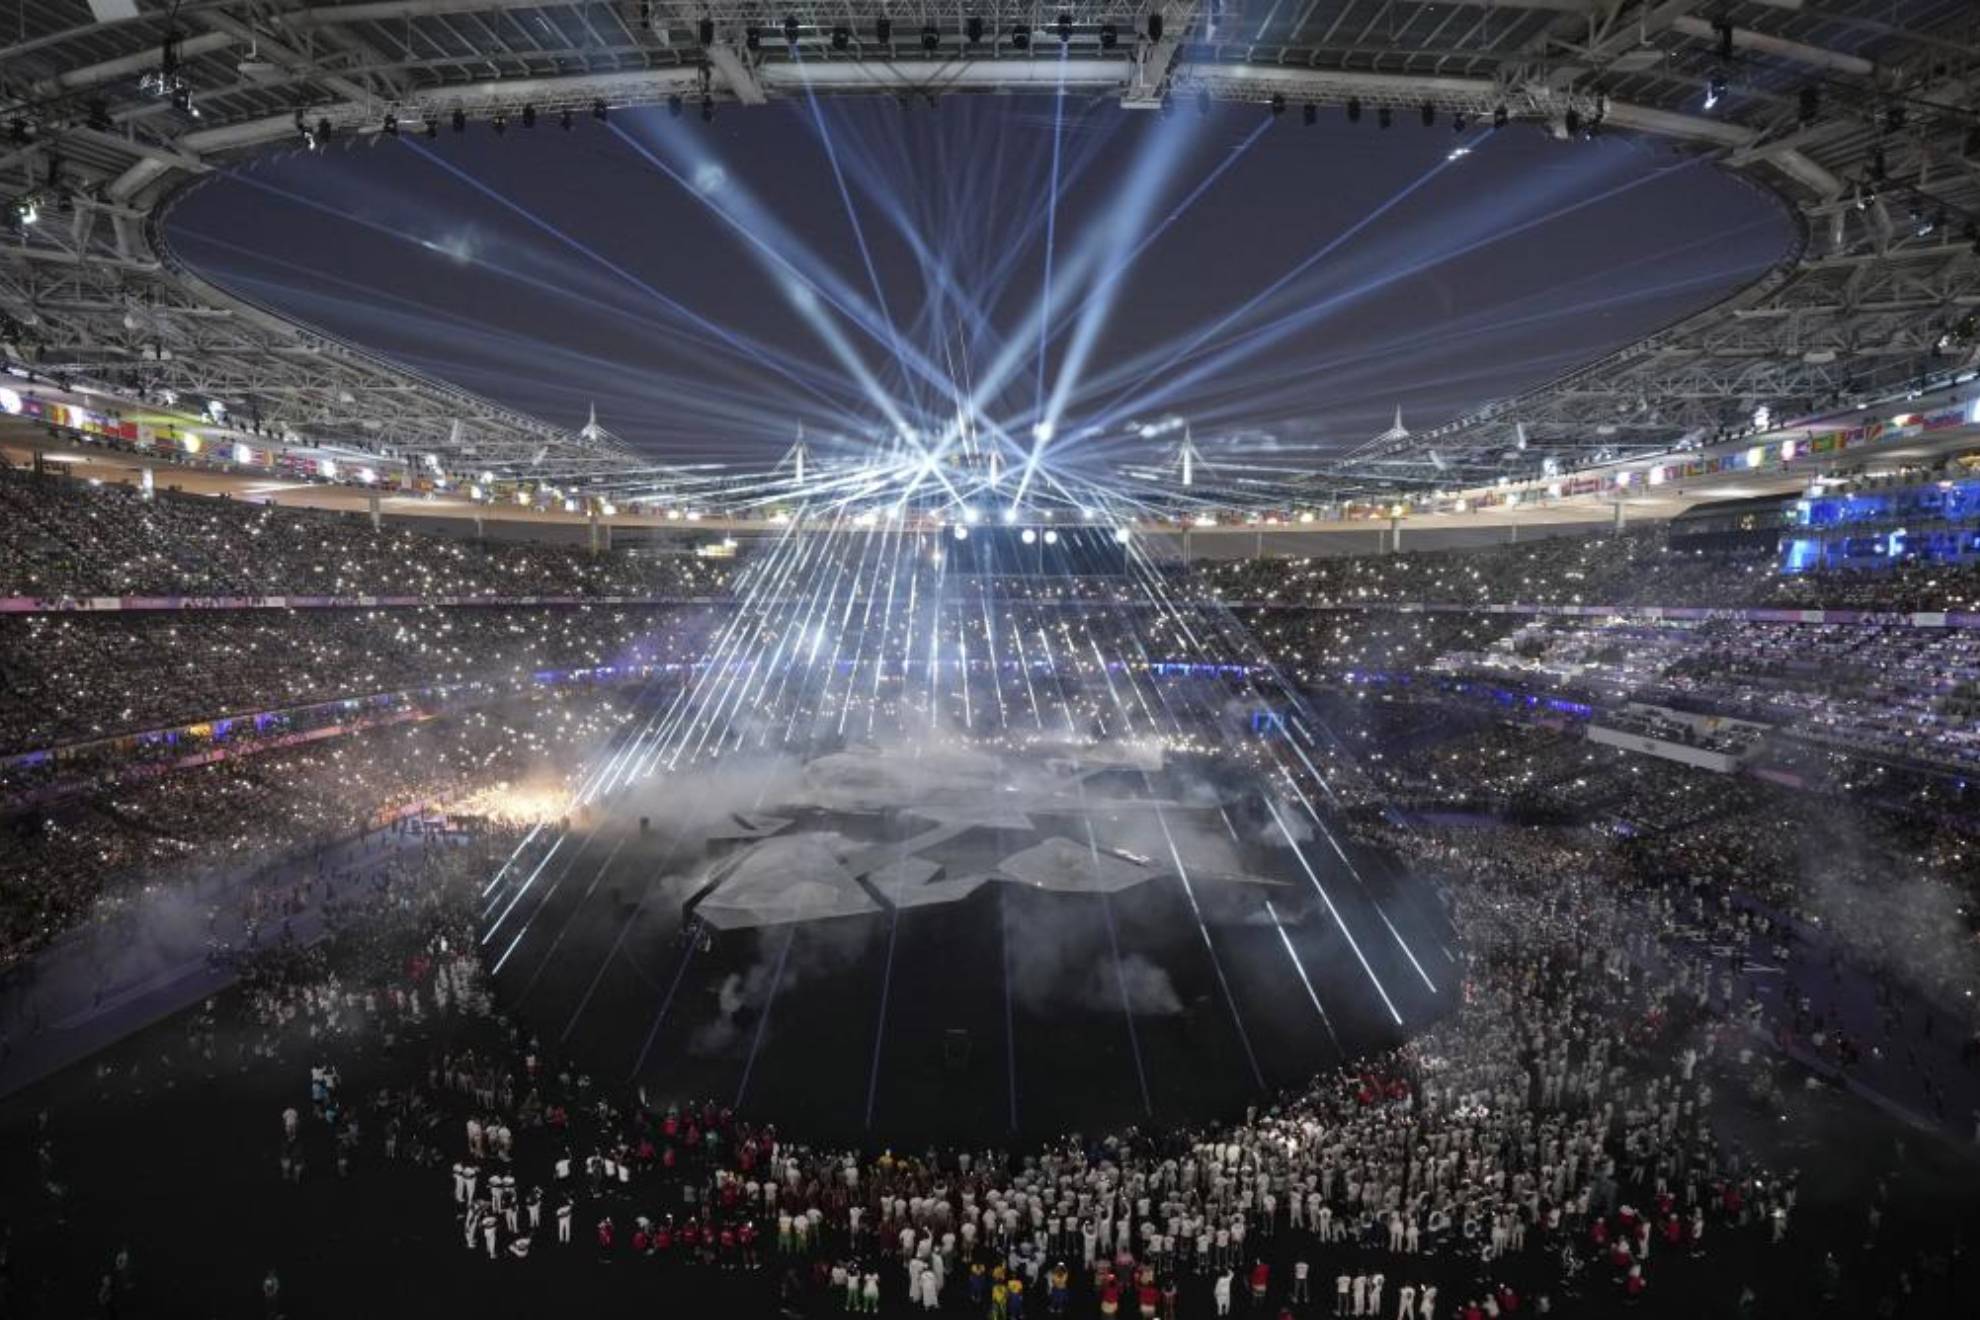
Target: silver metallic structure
<point x="1866" y="126"/>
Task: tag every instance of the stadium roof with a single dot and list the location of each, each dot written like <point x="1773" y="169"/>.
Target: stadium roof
<point x="1865" y="125"/>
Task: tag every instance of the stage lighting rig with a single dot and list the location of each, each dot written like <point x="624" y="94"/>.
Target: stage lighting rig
<point x="167" y="81"/>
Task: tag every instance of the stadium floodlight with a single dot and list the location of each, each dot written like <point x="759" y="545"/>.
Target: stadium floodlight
<point x="1028" y="536"/>
<point x="1051" y="537"/>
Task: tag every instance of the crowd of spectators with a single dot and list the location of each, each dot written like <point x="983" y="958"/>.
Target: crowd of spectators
<point x="1641" y="566"/>
<point x="70" y="538"/>
<point x="1884" y="689"/>
<point x="89" y="858"/>
<point x="67" y="678"/>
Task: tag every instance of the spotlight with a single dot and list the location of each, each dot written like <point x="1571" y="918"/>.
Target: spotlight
<point x="1051" y="537"/>
<point x="1715" y="88"/>
<point x="973" y="29"/>
<point x="674" y="106"/>
<point x="1310" y="113"/>
<point x="1021" y="36"/>
<point x="460" y="120"/>
<point x="1010" y="515"/>
<point x="931" y="38"/>
<point x="599" y="111"/>
<point x="705" y="30"/>
<point x="1027" y="536"/>
<point x="1122" y="535"/>
<point x="1499" y="116"/>
<point x="790" y="29"/>
<point x="960" y="532"/>
<point x="883" y="30"/>
<point x="1155" y="26"/>
<point x="1429" y="114"/>
<point x="1278" y="105"/>
<point x="841" y="38"/>
<point x="391" y="126"/>
<point x="1383" y="117"/>
<point x="529" y="116"/>
<point x="752" y="37"/>
<point x="182" y="99"/>
<point x="1354" y="109"/>
<point x="1109" y="35"/>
